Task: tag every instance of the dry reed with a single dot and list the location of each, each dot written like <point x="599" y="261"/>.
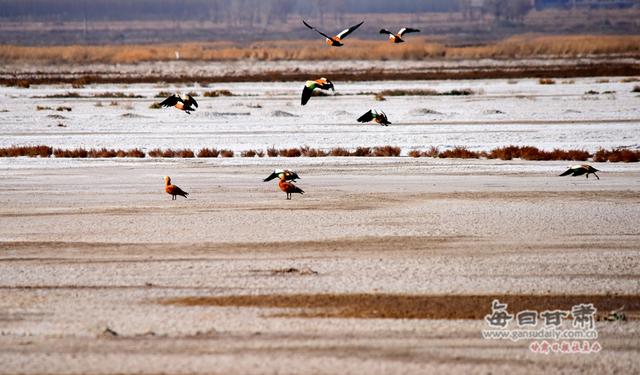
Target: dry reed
<point x="521" y="46"/>
<point x="249" y="153"/>
<point x="313" y="152"/>
<point x="31" y="151"/>
<point x="617" y="156"/>
<point x="290" y="152"/>
<point x="503" y="153"/>
<point x="272" y="152"/>
<point x="386" y="151"/>
<point x="170" y="153"/>
<point x="339" y="151"/>
<point x="208" y="153"/>
<point x="459" y="153"/>
<point x="74" y="153"/>
<point x="362" y="152"/>
<point x="226" y="153"/>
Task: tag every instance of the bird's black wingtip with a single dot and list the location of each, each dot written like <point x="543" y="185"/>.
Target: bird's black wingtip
<point x="270" y="177"/>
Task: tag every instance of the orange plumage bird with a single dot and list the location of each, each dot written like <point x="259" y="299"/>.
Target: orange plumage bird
<point x="184" y="103"/>
<point x="173" y="189"/>
<point x="288" y="187"/>
<point x="397" y="38"/>
<point x="335" y="41"/>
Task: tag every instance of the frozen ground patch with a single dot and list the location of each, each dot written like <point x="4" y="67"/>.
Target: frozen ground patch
<point x="520" y="113"/>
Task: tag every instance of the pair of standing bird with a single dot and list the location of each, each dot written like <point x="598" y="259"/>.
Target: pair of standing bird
<point x="284" y="176"/>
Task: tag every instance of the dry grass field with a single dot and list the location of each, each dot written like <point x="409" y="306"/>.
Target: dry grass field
<point x="417" y="48"/>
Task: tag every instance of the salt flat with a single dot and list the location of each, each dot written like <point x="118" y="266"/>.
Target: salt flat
<point x="263" y="115"/>
<point x="87" y="245"/>
<point x="100" y="272"/>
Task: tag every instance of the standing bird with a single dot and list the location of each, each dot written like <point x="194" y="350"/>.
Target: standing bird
<point x="579" y="170"/>
<point x="288" y="175"/>
<point x="173" y="189"/>
<point x="183" y="103"/>
<point x="335" y="41"/>
<point x="288" y="187"/>
<point x="379" y="117"/>
<point x="309" y="86"/>
<point x="397" y="38"/>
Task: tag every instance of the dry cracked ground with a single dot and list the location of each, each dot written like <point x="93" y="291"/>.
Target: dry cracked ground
<point x="381" y="267"/>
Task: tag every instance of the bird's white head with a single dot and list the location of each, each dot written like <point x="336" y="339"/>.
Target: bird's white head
<point x="167" y="180"/>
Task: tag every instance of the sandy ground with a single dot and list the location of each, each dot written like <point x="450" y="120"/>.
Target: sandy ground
<point x="87" y="246"/>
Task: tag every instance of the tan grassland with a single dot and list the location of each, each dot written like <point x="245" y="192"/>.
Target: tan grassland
<point x="522" y="46"/>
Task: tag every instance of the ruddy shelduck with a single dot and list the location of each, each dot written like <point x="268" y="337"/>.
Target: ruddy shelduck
<point x="579" y="170"/>
<point x="379" y="117"/>
<point x="335" y="41"/>
<point x="309" y="86"/>
<point x="397" y="38"/>
<point x="184" y="103"/>
<point x="173" y="190"/>
<point x="288" y="187"/>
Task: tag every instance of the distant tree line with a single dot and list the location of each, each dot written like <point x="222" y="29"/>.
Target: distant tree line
<point x="236" y="11"/>
<point x="509" y="10"/>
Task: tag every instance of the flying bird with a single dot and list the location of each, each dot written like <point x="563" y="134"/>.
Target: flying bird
<point x="309" y="86"/>
<point x="173" y="189"/>
<point x="579" y="170"/>
<point x="288" y="175"/>
<point x="379" y="117"/>
<point x="397" y="38"/>
<point x="335" y="41"/>
<point x="288" y="187"/>
<point x="183" y="103"/>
